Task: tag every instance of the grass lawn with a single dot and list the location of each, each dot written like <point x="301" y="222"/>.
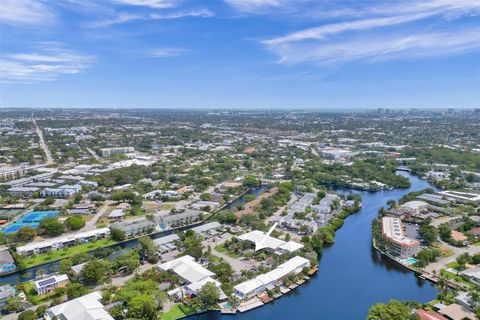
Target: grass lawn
<point x="65" y="253"/>
<point x="168" y="206"/>
<point x="174" y="313"/>
<point x="32" y="296"/>
<point x="453" y="265"/>
<point x="221" y="248"/>
<point x="453" y="276"/>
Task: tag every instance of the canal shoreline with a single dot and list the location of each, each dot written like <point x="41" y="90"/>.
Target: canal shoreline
<point x="125" y="243"/>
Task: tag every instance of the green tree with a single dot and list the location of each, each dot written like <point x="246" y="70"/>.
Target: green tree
<point x="463" y="259"/>
<point x="75" y="222"/>
<point x="148" y="249"/>
<point x="40" y="311"/>
<point x="27" y="315"/>
<point x="251" y="182"/>
<point x="118" y="235"/>
<point x="48" y="201"/>
<point x="51" y="226"/>
<point x="26" y="233"/>
<point x="142" y="307"/>
<point x="208" y="294"/>
<point x="75" y="290"/>
<point x="95" y="271"/>
<point x="13" y="304"/>
<point x="393" y="310"/>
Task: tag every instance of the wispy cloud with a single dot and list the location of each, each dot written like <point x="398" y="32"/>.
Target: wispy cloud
<point x="379" y="48"/>
<point x="25" y="12"/>
<point x="256" y="6"/>
<point x="383" y="32"/>
<point x="46" y="65"/>
<point x="167" y="52"/>
<point x="124" y="17"/>
<point x="156" y="4"/>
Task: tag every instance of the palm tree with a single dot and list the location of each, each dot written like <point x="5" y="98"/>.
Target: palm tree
<point x="474" y="298"/>
<point x="442" y="285"/>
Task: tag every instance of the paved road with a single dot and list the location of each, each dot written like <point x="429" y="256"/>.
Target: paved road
<point x="456" y="252"/>
<point x="90" y="224"/>
<point x="93" y="153"/>
<point x="439" y="221"/>
<point x="237" y="265"/>
<point x="43" y="145"/>
<point x="276" y="215"/>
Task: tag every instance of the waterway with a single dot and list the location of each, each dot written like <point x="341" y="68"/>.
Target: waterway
<point x="49" y="268"/>
<point x="352" y="275"/>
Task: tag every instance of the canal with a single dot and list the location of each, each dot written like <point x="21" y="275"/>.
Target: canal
<point x="352" y="276"/>
<point x="51" y="267"/>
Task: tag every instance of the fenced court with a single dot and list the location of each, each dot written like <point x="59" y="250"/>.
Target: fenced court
<point x="31" y="219"/>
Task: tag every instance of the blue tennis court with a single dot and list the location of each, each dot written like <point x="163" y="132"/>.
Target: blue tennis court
<point x="31" y="219"/>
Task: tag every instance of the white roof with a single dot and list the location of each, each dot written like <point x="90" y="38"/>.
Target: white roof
<point x="257" y="237"/>
<point x="474" y="272"/>
<point x="248" y="286"/>
<point x="166" y="239"/>
<point x="187" y="268"/>
<point x="116" y="213"/>
<point x="206" y="227"/>
<point x="57" y="278"/>
<point x="199" y="284"/>
<point x="87" y="307"/>
<point x="393" y="229"/>
<point x="276" y="274"/>
<point x="415" y="204"/>
<point x="62" y="239"/>
<point x="291" y="246"/>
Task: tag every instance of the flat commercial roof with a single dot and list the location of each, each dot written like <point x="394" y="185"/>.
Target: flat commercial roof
<point x="393" y="229"/>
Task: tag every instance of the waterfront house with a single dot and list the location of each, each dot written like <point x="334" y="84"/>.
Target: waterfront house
<point x="82" y="308"/>
<point x="269" y="280"/>
<point x="135" y="227"/>
<point x="457" y="312"/>
<point x="62" y="241"/>
<point x="473" y="274"/>
<point x="6" y="291"/>
<point x="7" y="264"/>
<point x="207" y="230"/>
<point x="429" y="315"/>
<point x="49" y="284"/>
<point x="167" y="243"/>
<point x="179" y="219"/>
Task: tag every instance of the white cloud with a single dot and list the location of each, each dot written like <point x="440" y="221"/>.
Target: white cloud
<point x="25" y="12"/>
<point x="378" y="48"/>
<point x="44" y="66"/>
<point x="124" y="17"/>
<point x="201" y="13"/>
<point x="167" y="52"/>
<point x="383" y="32"/>
<point x="156" y="4"/>
<point x="255" y="6"/>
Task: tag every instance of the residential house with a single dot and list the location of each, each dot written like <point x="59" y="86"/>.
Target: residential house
<point x="49" y="284"/>
<point x="7" y="264"/>
<point x="87" y="307"/>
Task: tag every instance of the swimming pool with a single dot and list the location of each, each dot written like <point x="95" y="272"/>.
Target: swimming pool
<point x="31" y="219"/>
<point x="411" y="261"/>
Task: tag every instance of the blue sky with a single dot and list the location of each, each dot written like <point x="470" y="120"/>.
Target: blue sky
<point x="240" y="53"/>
